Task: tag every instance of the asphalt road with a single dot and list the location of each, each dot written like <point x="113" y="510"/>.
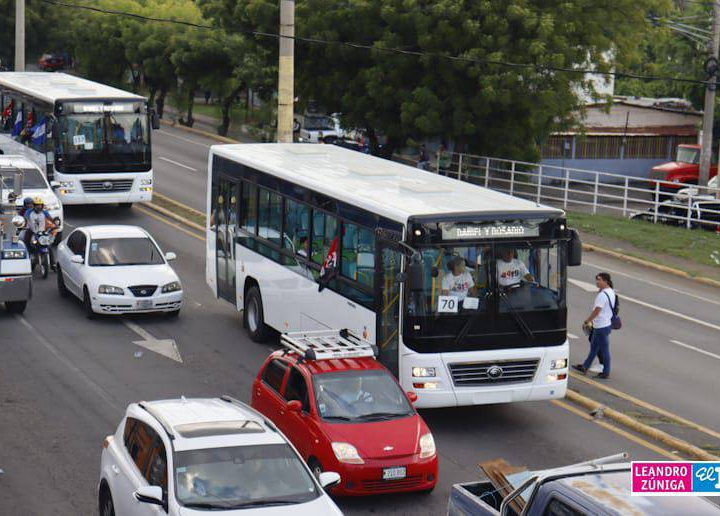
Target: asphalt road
<point x="65" y="380"/>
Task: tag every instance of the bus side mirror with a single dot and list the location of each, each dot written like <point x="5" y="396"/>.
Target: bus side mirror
<point x="154" y="119"/>
<point x="55" y="131"/>
<point x="574" y="249"/>
<point x="416" y="274"/>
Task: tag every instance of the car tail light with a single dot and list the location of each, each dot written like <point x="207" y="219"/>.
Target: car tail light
<point x="107" y="441"/>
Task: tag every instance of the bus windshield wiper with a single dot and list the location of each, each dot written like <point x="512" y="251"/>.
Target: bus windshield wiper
<point x="466" y="327"/>
<point x="517" y="317"/>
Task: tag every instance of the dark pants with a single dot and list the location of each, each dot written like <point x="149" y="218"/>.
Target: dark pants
<point x="600" y="346"/>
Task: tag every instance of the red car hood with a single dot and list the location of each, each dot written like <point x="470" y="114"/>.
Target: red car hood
<point x="372" y="439"/>
<point x="674" y="166"/>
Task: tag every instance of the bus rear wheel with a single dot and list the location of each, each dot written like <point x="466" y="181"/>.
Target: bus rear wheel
<point x="254" y="316"/>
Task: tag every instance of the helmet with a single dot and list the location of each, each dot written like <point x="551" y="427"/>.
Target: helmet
<point x="38" y="200"/>
<point x="27" y="200"/>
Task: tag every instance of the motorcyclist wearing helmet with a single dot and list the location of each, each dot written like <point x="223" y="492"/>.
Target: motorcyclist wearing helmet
<point x="38" y="220"/>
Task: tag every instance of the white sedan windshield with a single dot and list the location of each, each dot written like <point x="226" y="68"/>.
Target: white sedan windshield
<point x="105" y="252"/>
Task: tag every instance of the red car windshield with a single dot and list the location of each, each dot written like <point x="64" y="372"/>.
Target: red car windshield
<point x="688" y="155"/>
<point x="360" y="396"/>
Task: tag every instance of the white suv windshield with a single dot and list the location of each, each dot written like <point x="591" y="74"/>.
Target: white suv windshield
<point x="242" y="476"/>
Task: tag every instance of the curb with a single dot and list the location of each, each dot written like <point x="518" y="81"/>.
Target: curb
<point x="650" y="265"/>
<point x="199" y="132"/>
<point x="174" y="216"/>
<point x="180" y="205"/>
<point x="641" y="428"/>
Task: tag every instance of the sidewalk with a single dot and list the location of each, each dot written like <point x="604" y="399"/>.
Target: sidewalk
<point x="210" y="125"/>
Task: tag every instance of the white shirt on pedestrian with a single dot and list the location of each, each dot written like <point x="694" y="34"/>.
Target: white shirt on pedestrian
<point x="511" y="273"/>
<point x="459" y="285"/>
<point x="603" y="319"/>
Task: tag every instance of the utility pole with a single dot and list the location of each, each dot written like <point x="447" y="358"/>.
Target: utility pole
<point x="711" y="67"/>
<point x="286" y="72"/>
<point x="19" y="35"/>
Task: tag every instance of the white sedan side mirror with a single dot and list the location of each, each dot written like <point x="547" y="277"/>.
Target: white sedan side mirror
<point x="149" y="494"/>
<point x="329" y="479"/>
<point x="76" y="258"/>
<point x="170" y="256"/>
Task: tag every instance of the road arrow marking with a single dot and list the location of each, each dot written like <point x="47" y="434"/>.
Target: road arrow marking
<point x="592" y="288"/>
<point x="164" y="347"/>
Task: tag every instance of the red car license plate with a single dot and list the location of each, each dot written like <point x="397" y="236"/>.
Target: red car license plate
<point x="393" y="473"/>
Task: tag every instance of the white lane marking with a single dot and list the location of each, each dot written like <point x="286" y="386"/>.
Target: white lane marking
<point x="67" y="363"/>
<point x="177" y="164"/>
<point x="592" y="288"/>
<point x="164" y="347"/>
<point x="572" y="336"/>
<point x="653" y="283"/>
<point x="688" y="346"/>
<point x="184" y="139"/>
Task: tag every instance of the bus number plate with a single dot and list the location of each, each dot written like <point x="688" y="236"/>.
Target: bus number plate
<point x="447" y="305"/>
<point x="393" y="473"/>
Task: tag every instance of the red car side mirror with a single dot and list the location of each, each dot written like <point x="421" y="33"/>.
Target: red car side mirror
<point x="412" y="396"/>
<point x="294" y="406"/>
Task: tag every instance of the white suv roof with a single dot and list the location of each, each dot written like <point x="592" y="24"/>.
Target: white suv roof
<point x="16" y="161"/>
<point x="197" y="423"/>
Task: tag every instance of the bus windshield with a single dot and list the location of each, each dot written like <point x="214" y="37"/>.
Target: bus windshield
<point x="108" y="141"/>
<point x="487" y="290"/>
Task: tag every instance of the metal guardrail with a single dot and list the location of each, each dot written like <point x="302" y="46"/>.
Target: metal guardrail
<point x="587" y="190"/>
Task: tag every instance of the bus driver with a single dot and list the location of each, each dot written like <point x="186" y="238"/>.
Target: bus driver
<point x="510" y="270"/>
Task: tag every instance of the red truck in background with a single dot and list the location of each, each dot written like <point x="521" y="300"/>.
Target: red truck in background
<point x="685" y="170"/>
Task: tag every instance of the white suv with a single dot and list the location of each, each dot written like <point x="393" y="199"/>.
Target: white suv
<point x="191" y="456"/>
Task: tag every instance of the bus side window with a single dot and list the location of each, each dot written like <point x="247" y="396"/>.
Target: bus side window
<point x="297" y="222"/>
<point x="248" y="207"/>
<point x="324" y="231"/>
<point x="358" y="260"/>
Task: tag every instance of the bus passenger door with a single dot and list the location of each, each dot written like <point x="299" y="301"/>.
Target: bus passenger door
<point x="388" y="315"/>
<point x="225" y="239"/>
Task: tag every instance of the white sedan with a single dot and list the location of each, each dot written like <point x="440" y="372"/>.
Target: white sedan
<point x="117" y="270"/>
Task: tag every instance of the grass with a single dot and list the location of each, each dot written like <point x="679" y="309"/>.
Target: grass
<point x="696" y="245"/>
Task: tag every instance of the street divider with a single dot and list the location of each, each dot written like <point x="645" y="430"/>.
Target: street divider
<point x="641" y="428"/>
<point x="199" y="132"/>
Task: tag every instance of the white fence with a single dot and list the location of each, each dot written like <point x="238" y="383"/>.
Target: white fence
<point x="588" y="190"/>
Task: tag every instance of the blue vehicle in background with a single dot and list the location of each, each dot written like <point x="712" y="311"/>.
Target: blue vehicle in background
<point x="15" y="268"/>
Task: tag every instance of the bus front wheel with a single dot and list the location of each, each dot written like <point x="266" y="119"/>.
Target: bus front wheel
<point x="254" y="316"/>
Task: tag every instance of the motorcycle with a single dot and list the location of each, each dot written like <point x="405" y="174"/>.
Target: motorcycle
<point x="40" y="251"/>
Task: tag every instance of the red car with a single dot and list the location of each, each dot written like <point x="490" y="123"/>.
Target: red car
<point x="51" y="62"/>
<point x="348" y="415"/>
<point x="685" y="170"/>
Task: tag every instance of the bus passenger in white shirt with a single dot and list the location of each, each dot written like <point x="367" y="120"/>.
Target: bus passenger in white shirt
<point x="511" y="271"/>
<point x="458" y="282"/>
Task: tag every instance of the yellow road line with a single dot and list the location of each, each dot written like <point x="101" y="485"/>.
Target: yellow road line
<point x="627" y="435"/>
<point x="178" y="203"/>
<point x="161" y="219"/>
<point x="646" y="405"/>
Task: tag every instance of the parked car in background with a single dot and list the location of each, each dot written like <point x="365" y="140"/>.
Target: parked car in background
<point x="200" y="456"/>
<point x="315" y="127"/>
<point x="345" y="412"/>
<point x="118" y="270"/>
<point x="694" y="192"/>
<point x="51" y="62"/>
<point x="685" y="170"/>
<point x="702" y="213"/>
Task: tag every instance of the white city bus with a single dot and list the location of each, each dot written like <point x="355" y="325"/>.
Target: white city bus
<point x="92" y="140"/>
<point x="276" y="211"/>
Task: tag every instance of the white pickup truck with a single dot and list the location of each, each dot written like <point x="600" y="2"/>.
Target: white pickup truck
<point x="597" y="487"/>
<point x="15" y="268"/>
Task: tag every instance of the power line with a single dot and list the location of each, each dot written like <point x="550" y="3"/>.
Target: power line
<point x="387" y="50"/>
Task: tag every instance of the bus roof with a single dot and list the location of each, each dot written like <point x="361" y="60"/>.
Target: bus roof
<point x="51" y="87"/>
<point x="388" y="188"/>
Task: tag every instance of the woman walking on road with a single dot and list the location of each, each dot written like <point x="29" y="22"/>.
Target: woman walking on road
<point x="600" y="324"/>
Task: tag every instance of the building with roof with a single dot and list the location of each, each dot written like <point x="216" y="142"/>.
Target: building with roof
<point x="627" y="137"/>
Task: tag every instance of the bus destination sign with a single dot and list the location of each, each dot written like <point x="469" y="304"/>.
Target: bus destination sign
<point x="489" y="230"/>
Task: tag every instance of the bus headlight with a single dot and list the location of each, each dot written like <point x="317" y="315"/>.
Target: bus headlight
<point x="423" y="372"/>
<point x="427" y="446"/>
<point x="558" y="363"/>
<point x="346" y="452"/>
